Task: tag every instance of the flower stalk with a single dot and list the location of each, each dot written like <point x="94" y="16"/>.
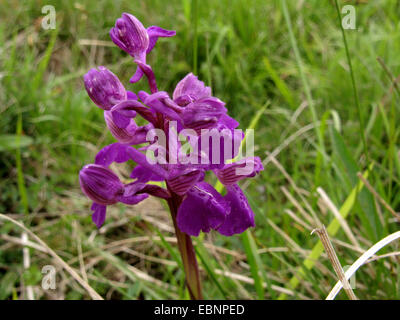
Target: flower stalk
<point x="187" y="252"/>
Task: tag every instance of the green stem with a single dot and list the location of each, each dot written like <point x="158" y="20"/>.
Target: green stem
<point x="187" y="252"/>
<point x="353" y="82"/>
<point x="195" y="43"/>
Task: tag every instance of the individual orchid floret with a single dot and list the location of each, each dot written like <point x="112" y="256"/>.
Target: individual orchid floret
<point x="104" y="187"/>
<point x="241" y="216"/>
<point x="203" y="114"/>
<point x="104" y="88"/>
<point x="100" y="184"/>
<point x="199" y="111"/>
<point x="131" y="36"/>
<point x="202" y="210"/>
<point x="190" y="89"/>
<point x="202" y="206"/>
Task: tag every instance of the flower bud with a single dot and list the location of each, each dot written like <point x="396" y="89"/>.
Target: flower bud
<point x="190" y="89"/>
<point x="100" y="184"/>
<point x="104" y="88"/>
<point x="131" y="36"/>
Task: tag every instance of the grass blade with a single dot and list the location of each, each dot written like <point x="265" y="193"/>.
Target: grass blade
<point x="368" y="213"/>
<point x="201" y="253"/>
<point x="254" y="261"/>
<point x="353" y="82"/>
<point x="280" y="84"/>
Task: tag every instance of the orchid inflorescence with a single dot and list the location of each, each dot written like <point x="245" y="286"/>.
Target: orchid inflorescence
<point x="163" y="167"/>
<point x="192" y="112"/>
<point x="201" y="207"/>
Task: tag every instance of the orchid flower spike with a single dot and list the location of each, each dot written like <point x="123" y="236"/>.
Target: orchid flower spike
<point x="196" y="206"/>
<point x="160" y="154"/>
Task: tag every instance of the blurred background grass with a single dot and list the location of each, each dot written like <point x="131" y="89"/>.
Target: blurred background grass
<point x="244" y="50"/>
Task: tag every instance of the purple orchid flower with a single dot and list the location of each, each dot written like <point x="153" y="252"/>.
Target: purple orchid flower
<point x="190" y="89"/>
<point x="239" y="215"/>
<point x="207" y="130"/>
<point x="104" y="88"/>
<point x="131" y="36"/>
<point x="104" y="188"/>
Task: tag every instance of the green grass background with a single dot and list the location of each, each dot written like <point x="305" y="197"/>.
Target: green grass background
<point x="285" y="58"/>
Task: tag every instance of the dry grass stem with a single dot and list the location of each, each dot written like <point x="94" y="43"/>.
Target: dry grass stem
<point x="323" y="235"/>
<point x="93" y="294"/>
<point x="338" y="216"/>
<point x="362" y="260"/>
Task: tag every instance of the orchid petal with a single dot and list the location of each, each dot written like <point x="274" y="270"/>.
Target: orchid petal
<point x="137" y="76"/>
<point x="143" y="174"/>
<point x="129" y="108"/>
<point x="143" y="95"/>
<point x="154" y="33"/>
<point x="99" y="214"/>
<point x="131" y="95"/>
<point x="115" y="152"/>
<point x="203" y="209"/>
<point x="191" y="88"/>
<point x="217" y="145"/>
<point x="228" y="122"/>
<point x="241" y="217"/>
<point x="234" y="172"/>
<point x="141" y="159"/>
<point x="100" y="184"/>
<point x="133" y="199"/>
<point x="156" y="191"/>
<point x="126" y="135"/>
<point x="203" y="113"/>
<point x="181" y="183"/>
<point x="120" y="120"/>
<point x="155" y="102"/>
